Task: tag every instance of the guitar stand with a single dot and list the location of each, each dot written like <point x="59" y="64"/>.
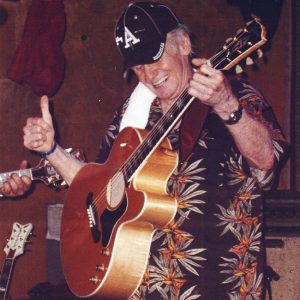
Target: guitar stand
<point x="48" y="291"/>
<point x="270" y="274"/>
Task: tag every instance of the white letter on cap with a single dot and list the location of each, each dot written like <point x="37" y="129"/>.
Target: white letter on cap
<point x="118" y="40"/>
<point x="130" y="38"/>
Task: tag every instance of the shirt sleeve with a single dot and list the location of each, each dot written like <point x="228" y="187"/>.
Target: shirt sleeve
<point x="255" y="104"/>
<point x="111" y="134"/>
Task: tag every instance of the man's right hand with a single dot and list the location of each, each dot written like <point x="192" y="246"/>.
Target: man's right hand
<point x="39" y="132"/>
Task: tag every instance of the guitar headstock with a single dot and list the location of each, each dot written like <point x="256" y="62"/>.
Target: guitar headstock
<point x="235" y="49"/>
<point x="16" y="243"/>
<point x="45" y="172"/>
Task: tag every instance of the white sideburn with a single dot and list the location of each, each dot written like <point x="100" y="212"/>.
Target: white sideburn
<point x="137" y="112"/>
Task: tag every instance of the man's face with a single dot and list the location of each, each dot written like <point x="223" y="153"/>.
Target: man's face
<point x="169" y="76"/>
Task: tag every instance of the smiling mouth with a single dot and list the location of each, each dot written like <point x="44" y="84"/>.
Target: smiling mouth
<point x="160" y="82"/>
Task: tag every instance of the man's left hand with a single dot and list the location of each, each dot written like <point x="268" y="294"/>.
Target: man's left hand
<point x="16" y="185"/>
<point x="212" y="88"/>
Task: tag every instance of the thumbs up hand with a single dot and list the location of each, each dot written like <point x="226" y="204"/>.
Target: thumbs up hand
<point x="39" y="132"/>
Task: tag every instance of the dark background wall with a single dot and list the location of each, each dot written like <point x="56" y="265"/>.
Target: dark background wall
<point x="93" y="87"/>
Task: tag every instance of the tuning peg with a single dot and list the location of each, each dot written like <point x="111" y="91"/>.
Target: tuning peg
<point x="249" y="61"/>
<point x="228" y="40"/>
<point x="238" y="69"/>
<point x="260" y="53"/>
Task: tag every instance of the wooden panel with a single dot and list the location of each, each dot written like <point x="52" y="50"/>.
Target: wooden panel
<point x="295" y="116"/>
<point x="286" y="263"/>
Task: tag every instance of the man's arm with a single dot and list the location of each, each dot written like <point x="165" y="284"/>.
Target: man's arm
<point x="254" y="141"/>
<point x="39" y="136"/>
<point x="251" y="136"/>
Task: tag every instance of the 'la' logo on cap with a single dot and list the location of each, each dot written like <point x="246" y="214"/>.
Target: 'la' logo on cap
<point x="129" y="37"/>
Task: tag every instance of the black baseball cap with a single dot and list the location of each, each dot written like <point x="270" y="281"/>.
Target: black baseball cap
<point x="141" y="32"/>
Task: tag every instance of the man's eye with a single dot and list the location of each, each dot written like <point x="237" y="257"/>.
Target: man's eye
<point x="137" y="68"/>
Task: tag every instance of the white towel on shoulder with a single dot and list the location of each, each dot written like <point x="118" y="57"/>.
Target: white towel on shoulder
<point x="137" y="112"/>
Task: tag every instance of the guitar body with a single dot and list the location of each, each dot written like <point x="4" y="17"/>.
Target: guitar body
<point x="108" y="259"/>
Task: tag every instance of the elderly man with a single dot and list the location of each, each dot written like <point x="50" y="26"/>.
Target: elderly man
<point x="213" y="249"/>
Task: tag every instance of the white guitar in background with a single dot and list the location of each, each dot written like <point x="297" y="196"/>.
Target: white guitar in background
<point x="14" y="248"/>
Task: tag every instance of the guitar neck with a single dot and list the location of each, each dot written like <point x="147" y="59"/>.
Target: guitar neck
<point x="5" y="277"/>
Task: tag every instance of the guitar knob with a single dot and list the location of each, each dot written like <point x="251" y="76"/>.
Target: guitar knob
<point x="95" y="280"/>
<point x="100" y="268"/>
<point x="105" y="252"/>
<point x="228" y="41"/>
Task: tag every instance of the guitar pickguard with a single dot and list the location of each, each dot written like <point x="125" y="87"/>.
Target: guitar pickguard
<point x="102" y="226"/>
<point x="109" y="219"/>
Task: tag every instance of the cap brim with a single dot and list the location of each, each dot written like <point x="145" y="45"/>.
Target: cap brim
<point x="147" y="54"/>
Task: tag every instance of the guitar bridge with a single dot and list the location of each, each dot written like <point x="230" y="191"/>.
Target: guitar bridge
<point x="93" y="218"/>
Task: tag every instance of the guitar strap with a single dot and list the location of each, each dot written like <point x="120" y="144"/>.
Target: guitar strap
<point x="191" y="127"/>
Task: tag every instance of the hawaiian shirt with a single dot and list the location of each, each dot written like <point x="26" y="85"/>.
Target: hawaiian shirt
<point x="213" y="249"/>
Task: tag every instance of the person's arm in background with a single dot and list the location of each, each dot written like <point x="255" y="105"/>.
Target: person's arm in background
<point x="16" y="185"/>
<point x="39" y="136"/>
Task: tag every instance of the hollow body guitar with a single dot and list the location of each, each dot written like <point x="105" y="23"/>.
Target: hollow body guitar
<point x="105" y="238"/>
<point x="112" y="210"/>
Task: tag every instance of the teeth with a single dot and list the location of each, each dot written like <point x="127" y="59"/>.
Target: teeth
<point x="160" y="81"/>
